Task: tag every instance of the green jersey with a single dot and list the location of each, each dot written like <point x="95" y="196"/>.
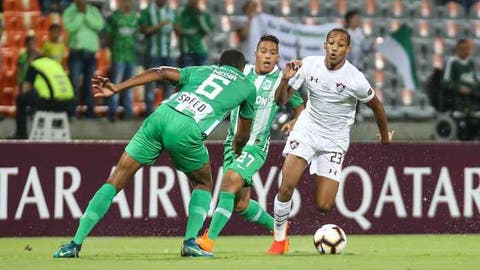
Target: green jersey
<point x="208" y="93"/>
<point x="122" y="28"/>
<point x="459" y="73"/>
<point x="265" y="107"/>
<point x="158" y="43"/>
<point x="195" y="27"/>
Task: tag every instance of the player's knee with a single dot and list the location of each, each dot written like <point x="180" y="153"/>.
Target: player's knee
<point x="324" y="207"/>
<point x="232" y="182"/>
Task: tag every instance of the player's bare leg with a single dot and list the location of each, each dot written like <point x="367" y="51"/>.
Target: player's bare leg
<point x="123" y="172"/>
<point x="242" y="200"/>
<point x="198" y="207"/>
<point x="99" y="204"/>
<point x="202" y="178"/>
<point x="326" y="192"/>
<point x="292" y="172"/>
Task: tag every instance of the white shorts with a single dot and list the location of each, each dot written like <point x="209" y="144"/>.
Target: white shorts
<point x="324" y="156"/>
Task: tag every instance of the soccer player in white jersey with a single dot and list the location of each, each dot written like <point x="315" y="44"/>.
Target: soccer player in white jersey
<point x="321" y="135"/>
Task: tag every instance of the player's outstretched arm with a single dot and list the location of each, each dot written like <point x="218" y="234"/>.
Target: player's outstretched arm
<point x="102" y="87"/>
<point x="284" y="91"/>
<point x="242" y="135"/>
<point x="377" y="107"/>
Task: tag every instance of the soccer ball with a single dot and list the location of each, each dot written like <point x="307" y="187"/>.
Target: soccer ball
<point x="330" y="239"/>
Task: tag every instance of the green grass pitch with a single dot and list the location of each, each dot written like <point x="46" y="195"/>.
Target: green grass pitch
<point x="406" y="252"/>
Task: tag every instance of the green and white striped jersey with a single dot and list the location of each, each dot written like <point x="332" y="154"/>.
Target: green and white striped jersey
<point x="209" y="93"/>
<point x="265" y="107"/>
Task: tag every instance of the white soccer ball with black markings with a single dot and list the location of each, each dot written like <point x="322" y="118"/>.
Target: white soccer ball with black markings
<point x="330" y="239"/>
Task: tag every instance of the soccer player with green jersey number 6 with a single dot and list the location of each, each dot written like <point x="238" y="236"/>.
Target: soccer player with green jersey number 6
<point x="239" y="169"/>
<point x="206" y="95"/>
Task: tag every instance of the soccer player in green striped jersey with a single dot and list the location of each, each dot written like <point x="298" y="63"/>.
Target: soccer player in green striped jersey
<point x="207" y="94"/>
<point x="239" y="169"/>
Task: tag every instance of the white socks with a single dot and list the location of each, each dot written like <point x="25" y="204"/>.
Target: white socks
<point x="281" y="212"/>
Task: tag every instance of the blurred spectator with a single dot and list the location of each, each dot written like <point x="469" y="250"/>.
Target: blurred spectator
<point x="193" y="25"/>
<point x="358" y="41"/>
<point x="54" y="48"/>
<point x="48" y="6"/>
<point x="467" y="4"/>
<point x="121" y="29"/>
<point x="460" y="77"/>
<point x="242" y="26"/>
<point x="26" y="57"/>
<point x="156" y="23"/>
<point x="46" y="87"/>
<point x="83" y="22"/>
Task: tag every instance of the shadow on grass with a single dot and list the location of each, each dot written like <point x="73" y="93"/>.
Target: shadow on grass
<point x="219" y="256"/>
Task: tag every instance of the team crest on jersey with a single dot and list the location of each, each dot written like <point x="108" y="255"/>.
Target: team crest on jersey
<point x="340" y="87"/>
<point x="267" y="84"/>
<point x="293" y="144"/>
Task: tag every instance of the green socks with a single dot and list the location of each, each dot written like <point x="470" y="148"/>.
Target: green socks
<point x="222" y="214"/>
<point x="197" y="212"/>
<point x="97" y="207"/>
<point x="255" y="213"/>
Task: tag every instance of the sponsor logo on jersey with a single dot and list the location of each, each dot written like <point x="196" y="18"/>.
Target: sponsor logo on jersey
<point x="313" y="79"/>
<point x="340" y="87"/>
<point x="267" y="84"/>
<point x="192" y="103"/>
<point x="226" y="74"/>
<point x="293" y="144"/>
<point x="263" y="101"/>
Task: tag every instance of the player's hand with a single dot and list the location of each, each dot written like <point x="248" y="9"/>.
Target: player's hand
<point x="287" y="127"/>
<point x="386" y="140"/>
<point x="291" y="68"/>
<point x="102" y="87"/>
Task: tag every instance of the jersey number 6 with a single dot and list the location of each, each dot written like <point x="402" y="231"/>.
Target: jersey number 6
<point x="210" y="89"/>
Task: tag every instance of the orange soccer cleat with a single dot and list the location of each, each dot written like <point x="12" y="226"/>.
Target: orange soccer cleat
<point x="278" y="247"/>
<point x="204" y="242"/>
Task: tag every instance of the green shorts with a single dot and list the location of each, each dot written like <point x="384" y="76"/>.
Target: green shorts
<point x="167" y="129"/>
<point x="247" y="164"/>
